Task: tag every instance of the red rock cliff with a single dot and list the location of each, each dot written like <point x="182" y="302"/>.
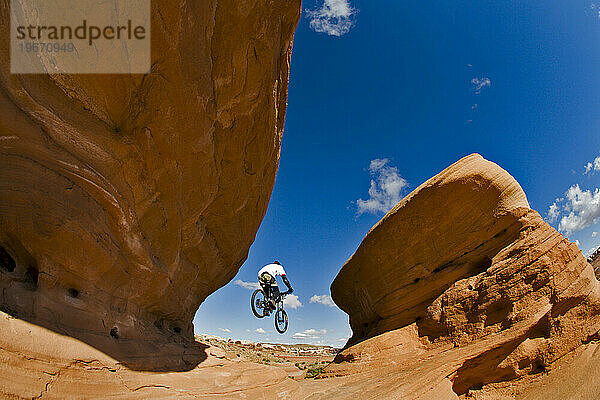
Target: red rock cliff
<point x="126" y="200"/>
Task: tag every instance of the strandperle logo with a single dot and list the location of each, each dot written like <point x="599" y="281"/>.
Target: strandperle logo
<point x="80" y="36"/>
<point x="84" y="32"/>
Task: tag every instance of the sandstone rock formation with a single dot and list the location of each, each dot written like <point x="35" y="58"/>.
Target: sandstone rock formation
<point x="125" y="200"/>
<point x="466" y="287"/>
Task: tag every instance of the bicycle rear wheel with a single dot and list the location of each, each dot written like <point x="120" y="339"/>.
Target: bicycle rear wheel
<point x="258" y="303"/>
<point x="281" y="320"/>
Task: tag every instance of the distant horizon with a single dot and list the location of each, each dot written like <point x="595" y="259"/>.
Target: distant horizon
<point x="276" y="344"/>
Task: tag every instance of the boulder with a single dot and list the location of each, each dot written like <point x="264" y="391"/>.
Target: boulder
<point x="463" y="274"/>
<point x="447" y="229"/>
<point x="125" y="200"/>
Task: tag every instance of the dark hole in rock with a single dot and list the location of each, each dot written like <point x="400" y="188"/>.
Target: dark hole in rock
<point x="114" y="332"/>
<point x="485" y="264"/>
<point x="498" y="311"/>
<point x="506" y="323"/>
<point x="542" y="329"/>
<point x="524" y="363"/>
<point x="31" y="278"/>
<point x="561" y="307"/>
<point x="537" y="369"/>
<point x="417" y="280"/>
<point x="6" y="261"/>
<point x="73" y="292"/>
<point x="177" y="330"/>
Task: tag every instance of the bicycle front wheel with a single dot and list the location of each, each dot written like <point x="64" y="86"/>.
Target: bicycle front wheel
<point x="281" y="320"/>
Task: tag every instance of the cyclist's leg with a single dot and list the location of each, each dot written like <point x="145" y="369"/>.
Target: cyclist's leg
<point x="275" y="294"/>
<point x="265" y="285"/>
<point x="265" y="288"/>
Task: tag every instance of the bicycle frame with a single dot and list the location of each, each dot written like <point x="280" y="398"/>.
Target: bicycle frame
<point x="279" y="302"/>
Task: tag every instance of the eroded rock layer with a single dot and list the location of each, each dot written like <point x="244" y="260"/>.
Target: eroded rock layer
<point x="125" y="200"/>
<point x="481" y="286"/>
<point x="447" y="229"/>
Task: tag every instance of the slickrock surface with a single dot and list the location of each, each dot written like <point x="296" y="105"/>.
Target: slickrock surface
<point x="39" y="363"/>
<point x="126" y="200"/>
<point x="396" y="365"/>
<point x="470" y="292"/>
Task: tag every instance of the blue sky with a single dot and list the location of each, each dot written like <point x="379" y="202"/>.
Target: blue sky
<point x="383" y="95"/>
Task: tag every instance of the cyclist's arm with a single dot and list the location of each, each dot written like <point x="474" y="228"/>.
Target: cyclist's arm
<point x="287" y="283"/>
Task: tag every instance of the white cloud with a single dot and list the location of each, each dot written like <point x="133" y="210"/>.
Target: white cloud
<point x="582" y="209"/>
<point x="386" y="188"/>
<point x="311" y="334"/>
<point x="324" y="299"/>
<point x="474" y="106"/>
<point x="260" y="330"/>
<point x="246" y="285"/>
<point x="225" y="330"/>
<point x="554" y="211"/>
<point x="592" y="166"/>
<point x="292" y="301"/>
<point x="335" y="17"/>
<point x="594" y="234"/>
<point x="590" y="252"/>
<point x="480" y="83"/>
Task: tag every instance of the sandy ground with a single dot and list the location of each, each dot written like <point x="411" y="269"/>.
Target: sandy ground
<point x="300" y="361"/>
<point x="38" y="363"/>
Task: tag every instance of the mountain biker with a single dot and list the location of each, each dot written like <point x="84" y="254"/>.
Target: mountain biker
<point x="266" y="278"/>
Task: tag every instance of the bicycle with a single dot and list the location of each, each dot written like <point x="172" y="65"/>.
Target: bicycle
<point x="261" y="309"/>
